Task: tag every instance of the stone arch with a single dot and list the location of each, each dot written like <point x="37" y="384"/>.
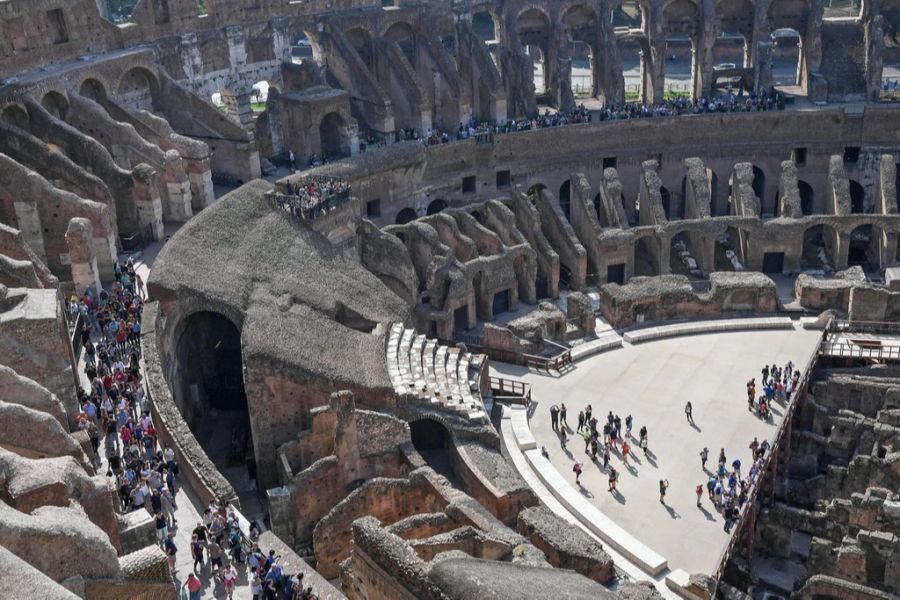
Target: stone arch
<point x="404" y="35"/>
<point x="430" y="434"/>
<point x="807" y="198"/>
<point x="92" y="88"/>
<point x="485" y="23"/>
<point x="56" y="104"/>
<point x="787" y="44"/>
<point x="818" y="250"/>
<point x="15" y="115"/>
<point x="533" y="27"/>
<point x="137" y="88"/>
<point x="579" y="21"/>
<point x="332" y="136"/>
<point x="682" y="258"/>
<point x="361" y="40"/>
<point x="863" y="249"/>
<point x="857" y="198"/>
<point x="730" y="251"/>
<point x="436" y="206"/>
<point x="681" y="16"/>
<point x="405" y="216"/>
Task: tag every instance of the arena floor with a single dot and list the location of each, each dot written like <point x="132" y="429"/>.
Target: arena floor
<point x="652" y="382"/>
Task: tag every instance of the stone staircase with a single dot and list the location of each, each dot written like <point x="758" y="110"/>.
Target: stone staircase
<point x="437" y="375"/>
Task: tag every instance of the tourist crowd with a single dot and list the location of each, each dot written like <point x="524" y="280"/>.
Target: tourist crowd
<point x="728" y="487"/>
<point x="314" y="194"/>
<point x="685" y="106"/>
<point x="115" y="412"/>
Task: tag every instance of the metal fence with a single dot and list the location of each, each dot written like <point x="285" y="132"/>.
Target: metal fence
<point x="306" y="210"/>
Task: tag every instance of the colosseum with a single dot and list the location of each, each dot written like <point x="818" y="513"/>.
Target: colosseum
<point x="318" y="299"/>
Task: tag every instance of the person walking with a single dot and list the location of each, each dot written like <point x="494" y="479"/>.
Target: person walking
<point x="689" y="412"/>
<point x="663" y="486"/>
<point x="554" y="417"/>
<point x="736" y="465"/>
<point x="580" y="421"/>
<point x="699" y="492"/>
<point x="704" y="455"/>
<point x="562" y="413"/>
<point x="193" y="587"/>
<point x="577" y="470"/>
<point x="613" y="476"/>
<point x="197" y="551"/>
<point x="229" y="578"/>
<point x="722" y="459"/>
<point x="171" y="550"/>
<point x="625" y="450"/>
<point x="628" y="423"/>
<point x="587" y="439"/>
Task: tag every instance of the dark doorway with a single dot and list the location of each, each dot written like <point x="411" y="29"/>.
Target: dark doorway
<point x="807" y="207"/>
<point x="461" y="318"/>
<point x="857" y="198"/>
<point x="331" y="131"/>
<point x="432" y="440"/>
<point x="759" y="188"/>
<point x="773" y="262"/>
<point x="863" y="250"/>
<point x="435" y="207"/>
<point x="565" y="198"/>
<point x="501" y="302"/>
<point x="666" y="202"/>
<point x="209" y="381"/>
<point x="615" y="274"/>
<point x="405" y="216"/>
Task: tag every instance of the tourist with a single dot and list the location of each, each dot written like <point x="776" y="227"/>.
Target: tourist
<point x="614" y="436"/>
<point x="730" y="515"/>
<point x="193" y="585"/>
<point x="215" y="555"/>
<point x="554" y="417"/>
<point x="722" y="459"/>
<point x="689" y="411"/>
<point x="613" y="476"/>
<point x="736" y="465"/>
<point x="754" y="446"/>
<point x="577" y="469"/>
<point x="625" y="450"/>
<point x="594" y="447"/>
<point x="171" y="550"/>
<point x="162" y="528"/>
<point x="699" y="492"/>
<point x="197" y="551"/>
<point x="663" y="486"/>
<point x="587" y="413"/>
<point x="628" y="422"/>
<point x="255" y="583"/>
<point x="562" y="413"/>
<point x="587" y="439"/>
<point x="544" y="452"/>
<point x="580" y="421"/>
<point x="605" y="456"/>
<point x="229" y="579"/>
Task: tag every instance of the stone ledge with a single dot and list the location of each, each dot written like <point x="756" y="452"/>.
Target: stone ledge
<point x="597" y="522"/>
<point x="519" y="418"/>
<point x="601" y="344"/>
<point x="701" y="327"/>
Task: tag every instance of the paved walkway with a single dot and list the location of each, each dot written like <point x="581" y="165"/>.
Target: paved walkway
<point x="652" y="382"/>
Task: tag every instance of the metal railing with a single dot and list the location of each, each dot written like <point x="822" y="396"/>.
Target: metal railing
<point x="513" y="392"/>
<point x="859" y="349"/>
<point x="747" y="511"/>
<point x="867" y="327"/>
<point x="305" y="210"/>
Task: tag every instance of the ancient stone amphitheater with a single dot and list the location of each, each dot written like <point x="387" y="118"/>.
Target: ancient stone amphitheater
<point x="359" y="355"/>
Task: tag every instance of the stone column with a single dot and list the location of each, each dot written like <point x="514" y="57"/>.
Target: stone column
<point x="611" y="81"/>
<point x="146" y="197"/>
<point x="80" y="240"/>
<point x="703" y="44"/>
<point x="653" y="63"/>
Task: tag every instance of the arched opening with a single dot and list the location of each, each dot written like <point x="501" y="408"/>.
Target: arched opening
<point x="890" y="68"/>
<point x="405" y="216"/>
<point x="56" y="104"/>
<point x="476" y="214"/>
<point x="731" y="50"/>
<point x="209" y="387"/>
<point x="435" y="207"/>
<point x="302" y="49"/>
<point x="137" y="88"/>
<point x="484" y="26"/>
<point x="759" y="189"/>
<point x="863" y="249"/>
<point x="433" y="442"/>
<point x="730" y="251"/>
<point x="601" y="212"/>
<point x="681" y="259"/>
<point x="630" y="53"/>
<point x="818" y="249"/>
<point x="331" y="134"/>
<point x="666" y="202"/>
<point x="717" y="208"/>
<point x="580" y="22"/>
<point x="15" y="115"/>
<point x="404" y="36"/>
<point x="858" y="199"/>
<point x="679" y="52"/>
<point x="533" y="27"/>
<point x="259" y="94"/>
<point x="787" y="52"/>
<point x="535" y="192"/>
<point x="565" y="198"/>
<point x="93" y="89"/>
<point x="361" y="41"/>
<point x="807" y="198"/>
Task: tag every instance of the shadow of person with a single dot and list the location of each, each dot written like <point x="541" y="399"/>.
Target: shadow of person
<point x="635" y="458"/>
<point x="631" y="469"/>
<point x="672" y="512"/>
<point x="709" y="516"/>
<point x="565" y="448"/>
<point x="585" y="492"/>
<point x="618" y="496"/>
<point x="695" y="426"/>
<point x="651" y="458"/>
